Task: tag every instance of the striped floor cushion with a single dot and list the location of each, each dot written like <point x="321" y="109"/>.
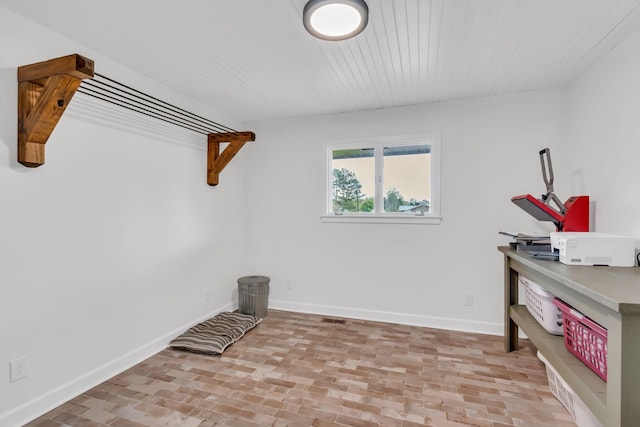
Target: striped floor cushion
<point x="213" y="336"/>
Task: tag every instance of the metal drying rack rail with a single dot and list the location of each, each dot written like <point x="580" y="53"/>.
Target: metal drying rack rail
<point x="46" y="88"/>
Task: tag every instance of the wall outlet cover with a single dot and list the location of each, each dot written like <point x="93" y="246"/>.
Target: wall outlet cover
<point x="468" y="300"/>
<point x="18" y="368"/>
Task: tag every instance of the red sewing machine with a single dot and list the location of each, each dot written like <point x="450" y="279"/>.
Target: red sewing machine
<point x="572" y="215"/>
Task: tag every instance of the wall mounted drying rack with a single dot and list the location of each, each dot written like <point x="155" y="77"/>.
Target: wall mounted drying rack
<point x="46" y="88"/>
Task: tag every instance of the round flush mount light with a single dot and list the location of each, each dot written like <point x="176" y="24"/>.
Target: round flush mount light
<point x="335" y="19"/>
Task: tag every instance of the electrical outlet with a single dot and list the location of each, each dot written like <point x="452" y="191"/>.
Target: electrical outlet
<point x="468" y="300"/>
<point x="288" y="284"/>
<point x="18" y="369"/>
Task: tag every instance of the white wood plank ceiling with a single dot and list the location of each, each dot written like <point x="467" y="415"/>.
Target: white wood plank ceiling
<point x="254" y="59"/>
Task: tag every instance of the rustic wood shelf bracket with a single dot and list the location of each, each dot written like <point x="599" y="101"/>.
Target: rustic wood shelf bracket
<point x="44" y="91"/>
<point x="216" y="161"/>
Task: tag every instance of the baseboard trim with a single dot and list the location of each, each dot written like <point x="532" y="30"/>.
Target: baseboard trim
<point x="447" y="323"/>
<point x="56" y="397"/>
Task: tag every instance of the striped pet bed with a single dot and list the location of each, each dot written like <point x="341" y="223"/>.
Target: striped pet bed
<point x="213" y="336"/>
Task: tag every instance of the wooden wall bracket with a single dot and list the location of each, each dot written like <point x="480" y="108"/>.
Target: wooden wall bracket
<point x="216" y="161"/>
<point x="44" y="91"/>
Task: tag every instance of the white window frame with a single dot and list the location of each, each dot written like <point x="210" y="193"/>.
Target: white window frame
<point x="432" y="217"/>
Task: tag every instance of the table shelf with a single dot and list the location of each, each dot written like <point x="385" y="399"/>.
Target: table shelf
<point x="590" y="387"/>
<point x="608" y="295"/>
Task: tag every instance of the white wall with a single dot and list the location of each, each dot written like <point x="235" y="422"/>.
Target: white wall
<point x="603" y="149"/>
<point x="404" y="273"/>
<point x="111" y="247"/>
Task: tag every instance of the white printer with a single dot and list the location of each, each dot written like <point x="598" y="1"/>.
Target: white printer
<point x="586" y="248"/>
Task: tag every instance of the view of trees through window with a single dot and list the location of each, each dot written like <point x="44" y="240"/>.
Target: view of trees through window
<point x="405" y="177"/>
<point x="347" y="193"/>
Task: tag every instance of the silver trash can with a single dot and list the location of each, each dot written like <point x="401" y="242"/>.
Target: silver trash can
<point x="253" y="295"/>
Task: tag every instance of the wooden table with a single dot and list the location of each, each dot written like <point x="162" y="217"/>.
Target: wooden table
<point x="609" y="296"/>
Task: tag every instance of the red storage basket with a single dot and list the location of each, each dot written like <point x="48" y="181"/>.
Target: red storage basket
<point x="584" y="338"/>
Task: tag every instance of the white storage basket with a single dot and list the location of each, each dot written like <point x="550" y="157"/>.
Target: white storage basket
<point x="579" y="411"/>
<point x="539" y="302"/>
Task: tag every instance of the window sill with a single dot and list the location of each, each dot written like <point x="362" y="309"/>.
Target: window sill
<point x="383" y="219"/>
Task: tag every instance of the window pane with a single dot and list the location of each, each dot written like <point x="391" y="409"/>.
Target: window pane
<point x="353" y="179"/>
<point x="407" y="183"/>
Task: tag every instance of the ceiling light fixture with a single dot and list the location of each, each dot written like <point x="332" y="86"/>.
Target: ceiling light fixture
<point x="335" y="19"/>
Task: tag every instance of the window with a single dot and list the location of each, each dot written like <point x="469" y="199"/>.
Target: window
<point x="392" y="180"/>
